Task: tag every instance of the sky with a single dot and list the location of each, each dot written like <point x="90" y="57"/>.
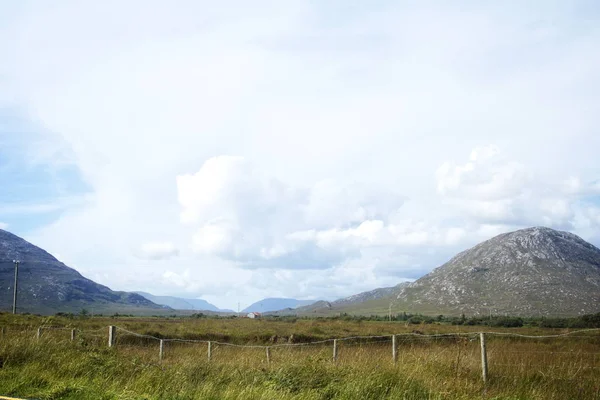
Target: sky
<point x="237" y="150"/>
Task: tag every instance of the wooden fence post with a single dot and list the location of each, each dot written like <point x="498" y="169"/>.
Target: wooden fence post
<point x="484" y="363"/>
<point x="209" y="350"/>
<point x="160" y="350"/>
<point x="39" y="333"/>
<point x="112" y="335"/>
<point x="394" y="350"/>
<point x="268" y="349"/>
<point x="335" y="350"/>
<point x="72" y="334"/>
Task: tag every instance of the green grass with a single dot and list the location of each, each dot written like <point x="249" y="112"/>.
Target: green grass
<point x="53" y="367"/>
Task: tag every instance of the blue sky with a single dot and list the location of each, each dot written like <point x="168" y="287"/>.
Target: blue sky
<point x="39" y="188"/>
<point x="293" y="149"/>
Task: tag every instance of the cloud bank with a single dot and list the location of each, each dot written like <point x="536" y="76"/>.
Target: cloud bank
<point x="293" y="149"/>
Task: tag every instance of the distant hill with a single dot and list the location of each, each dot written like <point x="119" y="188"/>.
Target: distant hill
<point x="180" y="303"/>
<point x="530" y="272"/>
<point x="371" y="295"/>
<point x="47" y="286"/>
<point x="275" y="304"/>
<point x="375" y="294"/>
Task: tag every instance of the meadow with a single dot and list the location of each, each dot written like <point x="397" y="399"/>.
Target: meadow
<point x="428" y="367"/>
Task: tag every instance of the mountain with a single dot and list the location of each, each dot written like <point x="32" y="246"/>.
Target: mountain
<point x="530" y="272"/>
<point x="535" y="271"/>
<point x="275" y="304"/>
<point x="375" y="294"/>
<point x="180" y="303"/>
<point x="327" y="306"/>
<point x="47" y="286"/>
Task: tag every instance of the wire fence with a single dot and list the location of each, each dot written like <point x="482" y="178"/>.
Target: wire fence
<point x="501" y="355"/>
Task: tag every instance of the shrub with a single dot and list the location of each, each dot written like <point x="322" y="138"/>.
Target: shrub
<point x="506" y="322"/>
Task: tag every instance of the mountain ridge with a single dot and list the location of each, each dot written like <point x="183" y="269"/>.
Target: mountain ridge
<point x="271" y="304"/>
<point x="182" y="303"/>
<point x="529" y="272"/>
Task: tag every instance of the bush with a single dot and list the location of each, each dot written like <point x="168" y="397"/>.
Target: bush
<point x="506" y="322"/>
<point x="590" y="321"/>
<point x="553" y="323"/>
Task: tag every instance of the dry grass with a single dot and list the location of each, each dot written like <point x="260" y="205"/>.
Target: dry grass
<point x="53" y="367"/>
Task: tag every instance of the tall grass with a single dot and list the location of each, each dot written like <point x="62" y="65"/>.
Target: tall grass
<point x="53" y="367"/>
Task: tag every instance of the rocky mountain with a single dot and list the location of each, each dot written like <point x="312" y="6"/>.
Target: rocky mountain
<point x="47" y="286"/>
<point x="275" y="304"/>
<point x="530" y="272"/>
<point x="180" y="303"/>
<point x="535" y="271"/>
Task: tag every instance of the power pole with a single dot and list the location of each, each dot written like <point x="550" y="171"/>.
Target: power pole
<point x="16" y="282"/>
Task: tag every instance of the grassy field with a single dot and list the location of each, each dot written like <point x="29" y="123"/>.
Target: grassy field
<point x="53" y="367"/>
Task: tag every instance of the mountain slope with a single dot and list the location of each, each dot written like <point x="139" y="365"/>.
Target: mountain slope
<point x="180" y="303"/>
<point x="275" y="304"/>
<point x="325" y="307"/>
<point x="530" y="272"/>
<point x="47" y="286"/>
<point x="375" y="294"/>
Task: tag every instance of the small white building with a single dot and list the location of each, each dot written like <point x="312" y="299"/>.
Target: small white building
<point x="253" y="315"/>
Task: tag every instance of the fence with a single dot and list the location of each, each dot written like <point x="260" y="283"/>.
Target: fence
<point x="569" y="354"/>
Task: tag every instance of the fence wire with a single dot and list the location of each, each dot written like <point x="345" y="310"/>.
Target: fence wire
<point x="399" y="336"/>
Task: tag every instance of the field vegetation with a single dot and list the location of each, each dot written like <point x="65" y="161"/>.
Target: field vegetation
<point x="441" y="367"/>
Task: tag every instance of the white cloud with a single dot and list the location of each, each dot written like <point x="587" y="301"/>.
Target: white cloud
<point x="3" y="225"/>
<point x="213" y="238"/>
<point x="496" y="190"/>
<point x="487" y="176"/>
<point x="158" y="250"/>
<point x="357" y="152"/>
<point x="556" y="209"/>
<point x="242" y="214"/>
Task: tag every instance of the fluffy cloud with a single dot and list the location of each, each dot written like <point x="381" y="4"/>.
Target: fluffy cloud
<point x="245" y="215"/>
<point x="3" y="225"/>
<point x="375" y="233"/>
<point x="486" y="176"/>
<point x="491" y="188"/>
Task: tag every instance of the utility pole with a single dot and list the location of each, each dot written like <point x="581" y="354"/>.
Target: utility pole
<point x="16" y="282"/>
